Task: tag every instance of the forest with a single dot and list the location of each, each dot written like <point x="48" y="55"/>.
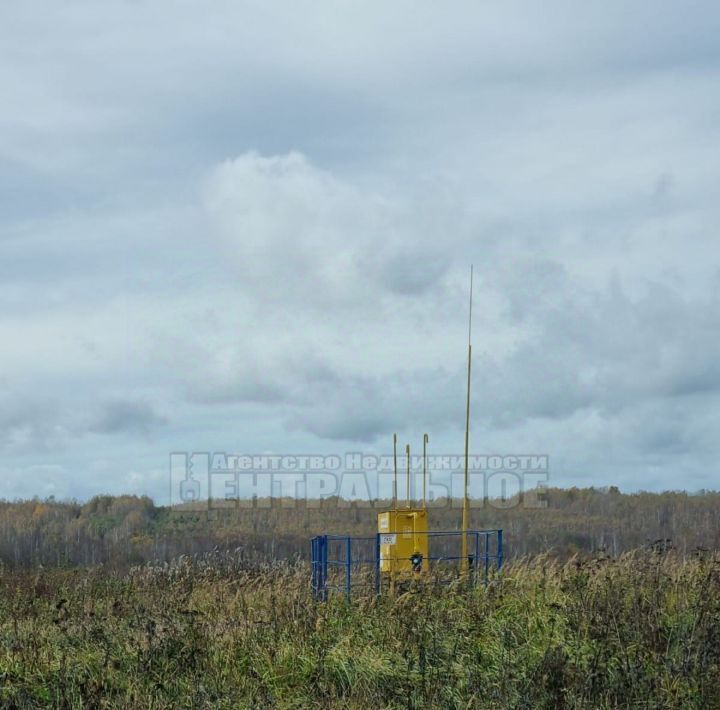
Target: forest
<point x="123" y="531"/>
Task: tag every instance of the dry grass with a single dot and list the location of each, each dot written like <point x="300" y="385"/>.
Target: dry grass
<point x="639" y="631"/>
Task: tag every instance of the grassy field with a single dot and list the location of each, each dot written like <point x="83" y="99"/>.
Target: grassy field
<point x="639" y="631"/>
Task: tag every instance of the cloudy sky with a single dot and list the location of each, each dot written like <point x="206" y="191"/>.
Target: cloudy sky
<point x="247" y="227"/>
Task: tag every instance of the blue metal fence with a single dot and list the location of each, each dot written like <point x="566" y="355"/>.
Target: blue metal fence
<point x="344" y="562"/>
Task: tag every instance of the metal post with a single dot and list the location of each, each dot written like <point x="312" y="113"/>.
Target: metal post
<point x="319" y="552"/>
<point x="487" y="556"/>
<point x="323" y="567"/>
<point x="313" y="566"/>
<point x="395" y="469"/>
<point x="392" y="574"/>
<point x="348" y="569"/>
<point x="499" y="549"/>
<point x="425" y="441"/>
<point x="476" y="559"/>
<point x="377" y="564"/>
<point x="407" y="481"/>
<point x="466" y="502"/>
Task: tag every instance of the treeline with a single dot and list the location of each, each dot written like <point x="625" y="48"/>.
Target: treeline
<point x="128" y="530"/>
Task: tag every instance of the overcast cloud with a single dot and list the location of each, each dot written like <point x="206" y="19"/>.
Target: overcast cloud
<point x="247" y="227"/>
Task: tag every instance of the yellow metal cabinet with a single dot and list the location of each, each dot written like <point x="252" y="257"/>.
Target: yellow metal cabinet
<point x="404" y="540"/>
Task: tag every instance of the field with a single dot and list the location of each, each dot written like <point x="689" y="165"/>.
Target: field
<point x="641" y="630"/>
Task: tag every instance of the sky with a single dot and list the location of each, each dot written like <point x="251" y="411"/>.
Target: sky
<point x="247" y="227"/>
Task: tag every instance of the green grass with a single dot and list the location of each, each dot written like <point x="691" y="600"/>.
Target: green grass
<point x="640" y="631"/>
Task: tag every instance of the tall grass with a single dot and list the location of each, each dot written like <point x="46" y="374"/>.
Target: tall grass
<point x="639" y="631"/>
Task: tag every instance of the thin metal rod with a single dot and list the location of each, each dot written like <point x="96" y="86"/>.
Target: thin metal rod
<point x="466" y="503"/>
<point x="377" y="564"/>
<point x="425" y="441"/>
<point x="395" y="478"/>
<point x="407" y="483"/>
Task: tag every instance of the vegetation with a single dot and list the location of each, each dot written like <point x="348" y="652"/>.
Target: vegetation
<point x="119" y="603"/>
<point x="214" y="630"/>
<point x="127" y="530"/>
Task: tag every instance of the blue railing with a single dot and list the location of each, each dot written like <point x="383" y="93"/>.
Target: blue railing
<point x="345" y="562"/>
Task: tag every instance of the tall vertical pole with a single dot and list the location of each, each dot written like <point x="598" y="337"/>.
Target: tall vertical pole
<point x="466" y="502"/>
<point x="425" y="441"/>
<point x="407" y="482"/>
<point x="394" y="517"/>
<point x="395" y="491"/>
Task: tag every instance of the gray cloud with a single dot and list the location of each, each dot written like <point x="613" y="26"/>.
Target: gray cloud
<point x="123" y="416"/>
<point x="30" y="424"/>
<point x="229" y="235"/>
